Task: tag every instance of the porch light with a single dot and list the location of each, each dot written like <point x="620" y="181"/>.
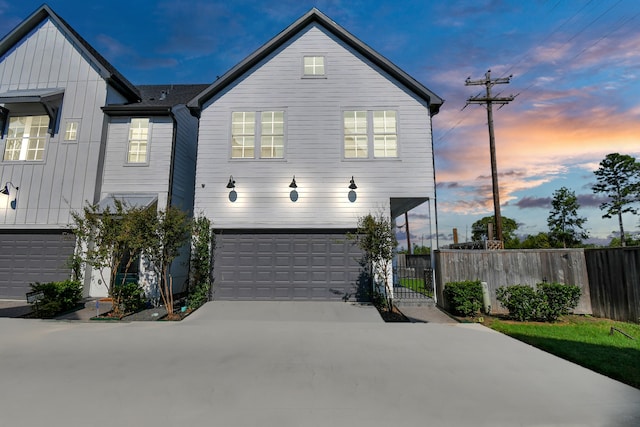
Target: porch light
<point x="12" y="191"/>
<point x="352" y="190"/>
<point x="233" y="195"/>
<point x="294" y="193"/>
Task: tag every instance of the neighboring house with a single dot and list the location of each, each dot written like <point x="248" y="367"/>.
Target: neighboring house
<point x="75" y="131"/>
<point x="296" y="142"/>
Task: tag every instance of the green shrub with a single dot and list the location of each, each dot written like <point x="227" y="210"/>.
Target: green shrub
<point x="464" y="298"/>
<point x="58" y="297"/>
<point x="130" y="296"/>
<point x="560" y="299"/>
<point x="522" y="301"/>
<point x="546" y="303"/>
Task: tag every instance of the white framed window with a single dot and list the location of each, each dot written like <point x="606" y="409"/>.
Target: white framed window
<point x="243" y="134"/>
<point x="272" y="135"/>
<point x="314" y="66"/>
<point x="138" y="140"/>
<point x="71" y="130"/>
<point x="356" y="141"/>
<point x="385" y="134"/>
<point x="367" y="132"/>
<point x="26" y="138"/>
<point x="246" y="126"/>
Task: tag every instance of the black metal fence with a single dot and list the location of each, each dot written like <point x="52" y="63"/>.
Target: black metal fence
<point x="413" y="277"/>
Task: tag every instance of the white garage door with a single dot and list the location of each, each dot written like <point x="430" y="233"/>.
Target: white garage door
<point x="288" y="266"/>
<point x="27" y="257"/>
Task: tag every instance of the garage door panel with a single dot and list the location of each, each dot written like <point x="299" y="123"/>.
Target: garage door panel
<point x="29" y="257"/>
<point x="283" y="266"/>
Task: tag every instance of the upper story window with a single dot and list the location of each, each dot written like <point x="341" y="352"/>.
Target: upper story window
<point x="272" y="135"/>
<point x="385" y="134"/>
<point x="355" y="135"/>
<point x="138" y="141"/>
<point x="244" y="128"/>
<point x="26" y="138"/>
<point x="314" y="66"/>
<point x="71" y="130"/>
<point x="243" y="131"/>
<point x="362" y="128"/>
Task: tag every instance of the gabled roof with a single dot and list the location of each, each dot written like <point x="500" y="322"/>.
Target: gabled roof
<point x="106" y="70"/>
<point x="156" y="99"/>
<point x="315" y="16"/>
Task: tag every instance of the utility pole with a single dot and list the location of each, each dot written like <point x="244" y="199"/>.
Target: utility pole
<point x="489" y="100"/>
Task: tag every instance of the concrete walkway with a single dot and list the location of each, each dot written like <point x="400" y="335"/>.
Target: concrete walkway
<point x="293" y="364"/>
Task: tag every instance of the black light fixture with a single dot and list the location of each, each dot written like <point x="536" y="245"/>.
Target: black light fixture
<point x="10" y="190"/>
<point x="352" y="190"/>
<point x="293" y="195"/>
<point x="352" y="184"/>
<point x="233" y="195"/>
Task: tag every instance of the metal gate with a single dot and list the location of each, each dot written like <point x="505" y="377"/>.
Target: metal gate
<point x="412" y="277"/>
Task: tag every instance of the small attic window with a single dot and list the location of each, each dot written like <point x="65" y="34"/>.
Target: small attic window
<point x="314" y="66"/>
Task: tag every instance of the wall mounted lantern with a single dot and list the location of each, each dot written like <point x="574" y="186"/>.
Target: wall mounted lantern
<point x="12" y="191"/>
<point x="352" y="190"/>
<point x="294" y="193"/>
<point x="233" y="196"/>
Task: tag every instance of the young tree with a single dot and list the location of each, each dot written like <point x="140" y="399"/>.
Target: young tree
<point x="619" y="179"/>
<point x="170" y="233"/>
<point x="110" y="238"/>
<point x="479" y="230"/>
<point x="537" y="241"/>
<point x="565" y="226"/>
<point x="377" y="240"/>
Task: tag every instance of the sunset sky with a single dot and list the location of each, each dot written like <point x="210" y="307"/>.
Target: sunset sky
<point x="575" y="67"/>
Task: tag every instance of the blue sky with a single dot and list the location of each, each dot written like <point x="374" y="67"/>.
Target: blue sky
<point x="575" y="67"/>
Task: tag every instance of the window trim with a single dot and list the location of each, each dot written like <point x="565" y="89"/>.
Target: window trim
<point x="128" y="142"/>
<point x="370" y="133"/>
<point x="324" y="65"/>
<point x="24" y="149"/>
<point x="64" y="129"/>
<point x="258" y="135"/>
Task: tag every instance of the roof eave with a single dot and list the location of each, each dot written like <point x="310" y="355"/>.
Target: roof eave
<point x="136" y="110"/>
<point x="314" y="15"/>
<point x="44" y="12"/>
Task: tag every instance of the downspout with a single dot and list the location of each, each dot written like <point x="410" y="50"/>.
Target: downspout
<point x="435" y="215"/>
<point x="174" y="139"/>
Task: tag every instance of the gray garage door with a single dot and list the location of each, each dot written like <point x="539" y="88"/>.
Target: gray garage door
<point x="27" y="257"/>
<point x="288" y="266"/>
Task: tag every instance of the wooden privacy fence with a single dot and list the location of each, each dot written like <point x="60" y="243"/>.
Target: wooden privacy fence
<point x="614" y="281"/>
<point x="513" y="267"/>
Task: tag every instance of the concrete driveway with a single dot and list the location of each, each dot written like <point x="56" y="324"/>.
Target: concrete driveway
<point x="293" y="364"/>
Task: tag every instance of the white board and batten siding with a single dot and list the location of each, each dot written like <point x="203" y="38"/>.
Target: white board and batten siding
<point x="121" y="177"/>
<point x="51" y="189"/>
<point x="314" y="148"/>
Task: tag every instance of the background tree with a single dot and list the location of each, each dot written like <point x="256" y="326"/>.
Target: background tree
<point x="619" y="179"/>
<point x="479" y="230"/>
<point x="565" y="226"/>
<point x="537" y="241"/>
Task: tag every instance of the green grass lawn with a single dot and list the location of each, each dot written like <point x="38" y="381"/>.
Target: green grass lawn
<point x="416" y="285"/>
<point x="585" y="341"/>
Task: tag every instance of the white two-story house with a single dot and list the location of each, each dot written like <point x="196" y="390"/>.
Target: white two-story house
<point x="74" y="132"/>
<point x="309" y="133"/>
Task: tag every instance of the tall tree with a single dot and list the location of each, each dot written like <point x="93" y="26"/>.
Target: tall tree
<point x="618" y="178"/>
<point x="565" y="226"/>
<point x="479" y="230"/>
